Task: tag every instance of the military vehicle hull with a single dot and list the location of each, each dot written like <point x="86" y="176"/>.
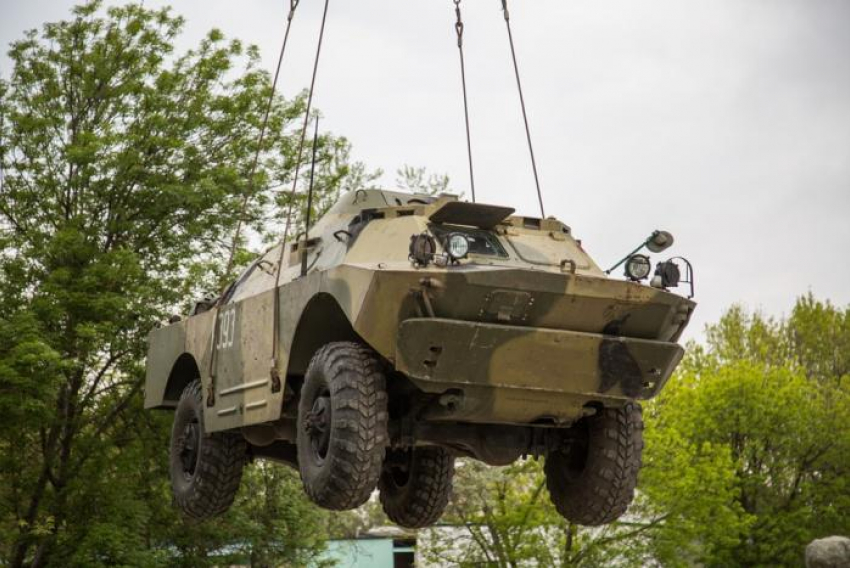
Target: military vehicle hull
<point x="518" y="347"/>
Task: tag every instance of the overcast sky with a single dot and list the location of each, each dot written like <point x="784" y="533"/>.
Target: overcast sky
<point x="725" y="122"/>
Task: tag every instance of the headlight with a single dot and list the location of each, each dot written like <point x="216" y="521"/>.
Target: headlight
<point x="638" y="267"/>
<point x="458" y="246"/>
<point x="422" y="249"/>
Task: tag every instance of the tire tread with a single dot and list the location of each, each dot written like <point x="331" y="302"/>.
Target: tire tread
<point x="606" y="487"/>
<point x="218" y="472"/>
<point x="426" y="496"/>
<point x="355" y="377"/>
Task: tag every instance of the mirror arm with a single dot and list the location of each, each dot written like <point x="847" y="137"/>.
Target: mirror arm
<point x="625" y="258"/>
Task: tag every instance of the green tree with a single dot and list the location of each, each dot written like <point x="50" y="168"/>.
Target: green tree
<point x="748" y="447"/>
<point x="770" y="399"/>
<point x="497" y="516"/>
<point x="125" y="169"/>
<point x="503" y="517"/>
<point x="271" y="524"/>
<point x="418" y="180"/>
<point x="277" y="513"/>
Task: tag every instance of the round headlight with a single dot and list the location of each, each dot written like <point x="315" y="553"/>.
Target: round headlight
<point x="638" y="267"/>
<point x="458" y="246"/>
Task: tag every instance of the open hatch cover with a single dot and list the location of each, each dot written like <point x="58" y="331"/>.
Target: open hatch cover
<point x="471" y="214"/>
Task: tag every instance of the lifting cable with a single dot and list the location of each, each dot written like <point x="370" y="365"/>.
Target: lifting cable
<point x="459" y="30"/>
<point x="304" y="132"/>
<point x="522" y="103"/>
<point x="275" y="317"/>
<point x="275" y="376"/>
<point x="293" y="4"/>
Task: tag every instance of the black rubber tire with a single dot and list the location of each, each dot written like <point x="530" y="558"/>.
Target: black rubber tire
<point x="204" y="482"/>
<point x="342" y="473"/>
<point x="417" y="497"/>
<point x="593" y="482"/>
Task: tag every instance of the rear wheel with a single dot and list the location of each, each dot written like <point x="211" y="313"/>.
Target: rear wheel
<point x="592" y="476"/>
<point x="416" y="485"/>
<point x="342" y="425"/>
<point x="206" y="469"/>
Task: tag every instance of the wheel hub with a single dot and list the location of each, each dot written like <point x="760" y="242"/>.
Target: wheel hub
<point x="317" y="425"/>
<point x="399" y="465"/>
<point x="576" y="449"/>
<point x="188" y="447"/>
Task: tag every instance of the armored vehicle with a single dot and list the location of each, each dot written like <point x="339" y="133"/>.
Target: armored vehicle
<point x="406" y="330"/>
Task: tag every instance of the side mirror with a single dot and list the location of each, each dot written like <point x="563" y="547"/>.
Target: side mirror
<point x="659" y="241"/>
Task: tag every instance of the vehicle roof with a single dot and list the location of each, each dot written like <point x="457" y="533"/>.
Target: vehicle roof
<point x="353" y="202"/>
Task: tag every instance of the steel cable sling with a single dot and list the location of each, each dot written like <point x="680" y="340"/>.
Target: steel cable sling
<point x="275" y="377"/>
<point x="293" y="4"/>
<point x="522" y="104"/>
<point x="275" y="373"/>
<point x="459" y="27"/>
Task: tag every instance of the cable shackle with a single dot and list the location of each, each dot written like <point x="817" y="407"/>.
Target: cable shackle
<point x="459" y="28"/>
<point x="505" y="10"/>
<point x="458" y="24"/>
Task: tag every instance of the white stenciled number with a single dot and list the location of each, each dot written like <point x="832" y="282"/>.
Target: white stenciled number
<point x="226" y="329"/>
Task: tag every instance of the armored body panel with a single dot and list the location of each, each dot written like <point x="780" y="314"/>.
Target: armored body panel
<point x="526" y="328"/>
<point x="405" y="330"/>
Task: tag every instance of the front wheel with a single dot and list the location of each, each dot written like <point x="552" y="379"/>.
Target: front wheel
<point x="206" y="469"/>
<point x="342" y="425"/>
<point x="593" y="474"/>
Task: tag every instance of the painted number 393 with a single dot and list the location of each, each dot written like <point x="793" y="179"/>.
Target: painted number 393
<point x="226" y="329"/>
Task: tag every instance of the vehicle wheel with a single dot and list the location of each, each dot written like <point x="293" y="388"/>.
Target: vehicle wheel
<point x="592" y="478"/>
<point x="205" y="468"/>
<point x="342" y="426"/>
<point x="416" y="485"/>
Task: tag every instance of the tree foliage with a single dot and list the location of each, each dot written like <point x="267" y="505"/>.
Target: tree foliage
<point x="125" y="169"/>
<point x="500" y="517"/>
<point x="772" y="396"/>
<point x="271" y="524"/>
<point x="418" y="180"/>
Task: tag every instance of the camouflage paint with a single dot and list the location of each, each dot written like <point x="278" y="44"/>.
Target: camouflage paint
<point x="534" y="336"/>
